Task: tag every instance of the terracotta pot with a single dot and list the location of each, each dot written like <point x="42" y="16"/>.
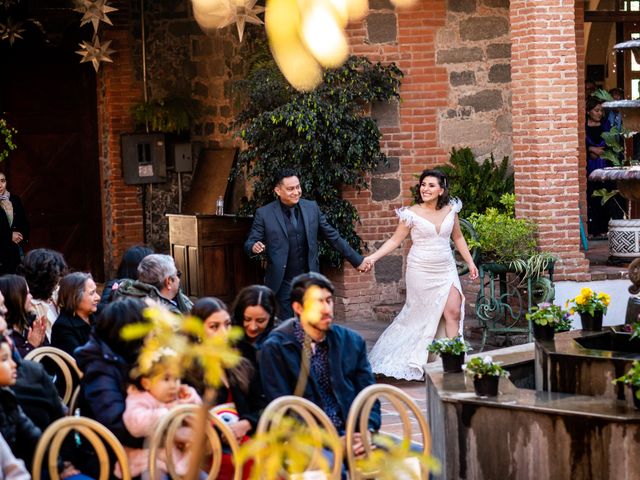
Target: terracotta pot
<point x="486" y="385"/>
<point x="543" y="333"/>
<point x="452" y="363"/>
<point x="593" y="322"/>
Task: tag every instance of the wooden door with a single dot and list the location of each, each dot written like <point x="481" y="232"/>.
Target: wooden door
<point x="51" y="100"/>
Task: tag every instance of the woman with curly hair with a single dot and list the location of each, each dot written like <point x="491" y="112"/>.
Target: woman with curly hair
<point x="42" y="269"/>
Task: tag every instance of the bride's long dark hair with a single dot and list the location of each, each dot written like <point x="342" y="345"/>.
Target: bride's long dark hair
<point x="442" y="181"/>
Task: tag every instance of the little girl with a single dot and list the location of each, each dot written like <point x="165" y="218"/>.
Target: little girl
<point x="148" y="400"/>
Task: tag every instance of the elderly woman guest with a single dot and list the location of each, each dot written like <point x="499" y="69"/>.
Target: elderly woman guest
<point x="78" y="301"/>
<point x="14" y="228"/>
<point x="255" y="310"/>
<point x="26" y="331"/>
<point x="43" y="269"/>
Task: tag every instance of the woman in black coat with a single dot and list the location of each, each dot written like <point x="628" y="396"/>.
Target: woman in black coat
<point x="106" y="361"/>
<point x="14" y="228"/>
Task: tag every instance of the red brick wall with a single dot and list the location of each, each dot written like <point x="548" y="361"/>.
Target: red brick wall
<point x="544" y="68"/>
<point x="414" y="141"/>
<point x="118" y="91"/>
<point x="582" y="160"/>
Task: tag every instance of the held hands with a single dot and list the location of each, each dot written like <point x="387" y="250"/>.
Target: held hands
<point x="366" y="265"/>
<point x="16" y="237"/>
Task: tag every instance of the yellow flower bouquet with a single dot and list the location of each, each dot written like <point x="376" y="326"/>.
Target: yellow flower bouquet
<point x="588" y="301"/>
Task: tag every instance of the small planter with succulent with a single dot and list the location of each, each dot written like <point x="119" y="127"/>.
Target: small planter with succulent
<point x="452" y="351"/>
<point x="545" y="319"/>
<point x="632" y="379"/>
<point x="486" y="375"/>
<point x="591" y="306"/>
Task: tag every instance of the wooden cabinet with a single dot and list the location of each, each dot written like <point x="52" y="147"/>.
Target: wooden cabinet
<point x="208" y="249"/>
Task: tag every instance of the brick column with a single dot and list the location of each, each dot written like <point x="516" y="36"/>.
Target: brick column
<point x="118" y="91"/>
<point x="545" y="115"/>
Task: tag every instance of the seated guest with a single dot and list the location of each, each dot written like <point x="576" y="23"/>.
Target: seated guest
<point x="158" y="280"/>
<point x="255" y="310"/>
<point x="339" y="368"/>
<point x="17" y="429"/>
<point x="128" y="269"/>
<point x="11" y="468"/>
<point x="26" y="331"/>
<point x="106" y="361"/>
<point x="240" y="383"/>
<point x="78" y="301"/>
<point x="42" y="269"/>
<point x="149" y="399"/>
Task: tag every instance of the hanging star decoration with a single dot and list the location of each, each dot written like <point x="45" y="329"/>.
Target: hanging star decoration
<point x="96" y="52"/>
<point x="245" y="11"/>
<point x="94" y="12"/>
<point x="11" y="31"/>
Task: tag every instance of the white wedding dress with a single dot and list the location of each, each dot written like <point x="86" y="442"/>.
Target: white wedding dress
<point x="401" y="350"/>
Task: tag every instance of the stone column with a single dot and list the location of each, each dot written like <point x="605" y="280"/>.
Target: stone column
<point x="544" y="80"/>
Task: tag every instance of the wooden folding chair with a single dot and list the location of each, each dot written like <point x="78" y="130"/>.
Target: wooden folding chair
<point x="68" y="383"/>
<point x="164" y="438"/>
<point x="96" y="434"/>
<point x="358" y="421"/>
<point x="316" y="420"/>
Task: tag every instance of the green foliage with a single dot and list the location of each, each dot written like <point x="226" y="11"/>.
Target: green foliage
<point x="169" y="115"/>
<point x="478" y="185"/>
<point x="631" y="377"/>
<point x="6" y="139"/>
<point x="324" y="135"/>
<point x="455" y="346"/>
<point x="548" y="314"/>
<point x="502" y="238"/>
<point x="484" y="366"/>
<point x="635" y="329"/>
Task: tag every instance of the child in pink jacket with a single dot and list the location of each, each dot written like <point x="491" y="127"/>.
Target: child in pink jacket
<point x="148" y="400"/>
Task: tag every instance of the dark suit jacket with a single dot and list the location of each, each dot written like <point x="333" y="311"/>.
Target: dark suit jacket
<point x="69" y="332"/>
<point x="280" y="358"/>
<point x="269" y="227"/>
<point x="9" y="251"/>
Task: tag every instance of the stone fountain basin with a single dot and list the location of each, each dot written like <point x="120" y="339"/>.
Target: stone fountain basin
<point x="627" y="178"/>
<point x="618" y="342"/>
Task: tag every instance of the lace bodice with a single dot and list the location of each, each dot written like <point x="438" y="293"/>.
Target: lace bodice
<point x="424" y="233"/>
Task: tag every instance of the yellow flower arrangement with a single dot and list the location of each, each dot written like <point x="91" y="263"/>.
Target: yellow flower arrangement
<point x="587" y="301"/>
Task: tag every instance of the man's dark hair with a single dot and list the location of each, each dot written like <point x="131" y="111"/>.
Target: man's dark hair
<point x="302" y="282"/>
<point x="285" y="173"/>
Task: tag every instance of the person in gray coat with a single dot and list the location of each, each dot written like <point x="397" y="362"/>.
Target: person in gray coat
<point x="286" y="230"/>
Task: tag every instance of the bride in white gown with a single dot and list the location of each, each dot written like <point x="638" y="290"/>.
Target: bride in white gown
<point x="433" y="287"/>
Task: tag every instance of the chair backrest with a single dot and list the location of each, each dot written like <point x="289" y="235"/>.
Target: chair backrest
<point x="164" y="438"/>
<point x="358" y="421"/>
<point x="68" y="383"/>
<point x="96" y="434"/>
<point x="320" y="428"/>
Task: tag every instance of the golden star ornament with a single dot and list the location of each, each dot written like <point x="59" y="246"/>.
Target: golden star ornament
<point x="96" y="52"/>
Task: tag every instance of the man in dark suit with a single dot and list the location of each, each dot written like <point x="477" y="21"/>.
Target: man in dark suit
<point x="287" y="231"/>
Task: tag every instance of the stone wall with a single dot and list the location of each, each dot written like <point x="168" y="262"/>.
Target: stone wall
<point x="182" y="59"/>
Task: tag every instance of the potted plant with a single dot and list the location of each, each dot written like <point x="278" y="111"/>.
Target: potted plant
<point x="632" y="379"/>
<point x="452" y="351"/>
<point x="591" y="306"/>
<point x="565" y="323"/>
<point x="544" y="319"/>
<point x="486" y="375"/>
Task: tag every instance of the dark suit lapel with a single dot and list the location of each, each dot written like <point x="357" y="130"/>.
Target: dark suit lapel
<point x="305" y="217"/>
<point x="277" y="211"/>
